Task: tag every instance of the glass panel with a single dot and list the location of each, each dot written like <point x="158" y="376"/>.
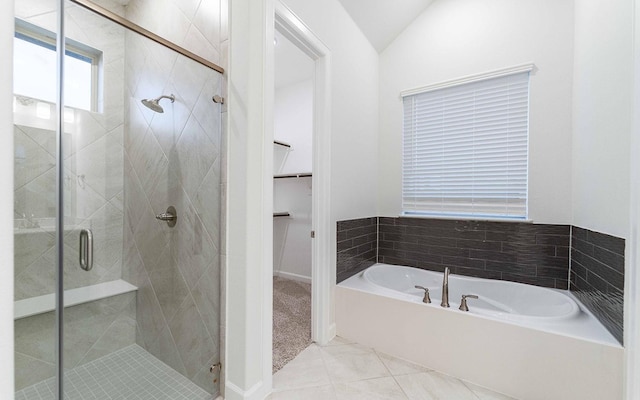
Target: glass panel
<point x="34" y="58"/>
<point x="154" y="289"/>
<point x="34" y="210"/>
<point x="31" y="62"/>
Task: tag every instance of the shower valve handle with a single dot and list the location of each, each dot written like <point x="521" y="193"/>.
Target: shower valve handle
<point x="170" y="216"/>
<point x="166" y="217"/>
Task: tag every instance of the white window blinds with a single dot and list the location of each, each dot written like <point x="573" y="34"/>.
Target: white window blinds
<point x="465" y="149"/>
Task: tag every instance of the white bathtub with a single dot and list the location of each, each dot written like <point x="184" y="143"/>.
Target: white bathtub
<point x="525" y="341"/>
<point x="502" y="300"/>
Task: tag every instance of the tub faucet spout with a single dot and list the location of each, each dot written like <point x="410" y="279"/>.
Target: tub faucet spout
<point x="445" y="288"/>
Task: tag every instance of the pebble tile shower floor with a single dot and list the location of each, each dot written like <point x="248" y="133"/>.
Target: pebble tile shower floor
<point x="130" y="373"/>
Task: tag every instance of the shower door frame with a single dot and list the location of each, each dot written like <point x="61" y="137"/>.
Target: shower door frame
<point x="103" y="12"/>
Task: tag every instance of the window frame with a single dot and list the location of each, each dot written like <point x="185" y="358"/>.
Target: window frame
<point x="42" y="37"/>
<point x="529" y="68"/>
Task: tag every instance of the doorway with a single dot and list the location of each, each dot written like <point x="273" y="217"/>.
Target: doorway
<point x="293" y="191"/>
<point x="314" y="184"/>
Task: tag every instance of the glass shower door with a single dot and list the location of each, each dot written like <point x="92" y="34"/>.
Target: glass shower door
<point x="141" y="288"/>
<point x="99" y="314"/>
<point x="35" y="119"/>
<point x="149" y="140"/>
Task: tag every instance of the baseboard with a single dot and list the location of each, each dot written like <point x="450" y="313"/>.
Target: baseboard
<point x="292" y="276"/>
<point x="256" y="392"/>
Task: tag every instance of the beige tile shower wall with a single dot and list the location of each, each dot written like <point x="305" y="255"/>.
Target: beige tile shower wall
<point x="93" y="165"/>
<point x="173" y="158"/>
<point x="193" y="24"/>
<point x="92" y="330"/>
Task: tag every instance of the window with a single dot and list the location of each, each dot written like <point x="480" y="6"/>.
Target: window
<point x="465" y="150"/>
<point x="35" y="68"/>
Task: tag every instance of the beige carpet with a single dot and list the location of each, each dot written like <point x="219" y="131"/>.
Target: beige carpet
<point x="291" y="320"/>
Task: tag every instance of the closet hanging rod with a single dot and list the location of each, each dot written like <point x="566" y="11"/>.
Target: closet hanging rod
<point x="283" y="144"/>
<point x="91" y="6"/>
<point x="301" y="175"/>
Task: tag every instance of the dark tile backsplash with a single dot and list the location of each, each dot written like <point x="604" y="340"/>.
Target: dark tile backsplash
<point x="357" y="246"/>
<point x="536" y="254"/>
<point x="597" y="276"/>
<point x="521" y="252"/>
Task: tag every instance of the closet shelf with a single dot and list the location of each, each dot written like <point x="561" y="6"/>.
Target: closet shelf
<point x="283" y="144"/>
<point x="281" y="214"/>
<point x="298" y="175"/>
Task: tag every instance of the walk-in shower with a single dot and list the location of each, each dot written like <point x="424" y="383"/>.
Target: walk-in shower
<point x="91" y="175"/>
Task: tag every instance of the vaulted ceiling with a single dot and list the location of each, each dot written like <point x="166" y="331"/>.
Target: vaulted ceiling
<point x="383" y="20"/>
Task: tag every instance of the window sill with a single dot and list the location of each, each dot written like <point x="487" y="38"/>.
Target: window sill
<point x="466" y="218"/>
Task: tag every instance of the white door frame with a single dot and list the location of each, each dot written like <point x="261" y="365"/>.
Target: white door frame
<point x="292" y="27"/>
<point x="7" y="25"/>
<point x="249" y="246"/>
<point x="632" y="276"/>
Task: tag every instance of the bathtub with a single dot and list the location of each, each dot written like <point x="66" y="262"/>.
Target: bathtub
<point x="502" y="300"/>
<point x="524" y="341"/>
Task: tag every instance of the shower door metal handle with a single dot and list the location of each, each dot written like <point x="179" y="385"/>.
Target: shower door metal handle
<point x="86" y="249"/>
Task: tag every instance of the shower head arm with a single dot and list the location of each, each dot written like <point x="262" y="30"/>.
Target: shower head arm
<point x="170" y="97"/>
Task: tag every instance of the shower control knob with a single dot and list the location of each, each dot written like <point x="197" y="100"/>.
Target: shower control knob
<point x="170" y="216"/>
<point x="166" y="217"/>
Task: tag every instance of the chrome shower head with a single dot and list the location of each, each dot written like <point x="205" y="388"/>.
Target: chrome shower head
<point x="154" y="104"/>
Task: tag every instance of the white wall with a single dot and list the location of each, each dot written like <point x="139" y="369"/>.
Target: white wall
<point x="291" y="235"/>
<point x="248" y="249"/>
<point x="602" y="115"/>
<point x="354" y="96"/>
<point x="293" y="124"/>
<point x="6" y="202"/>
<point x="632" y="275"/>
<point x="603" y="107"/>
<point x="455" y="38"/>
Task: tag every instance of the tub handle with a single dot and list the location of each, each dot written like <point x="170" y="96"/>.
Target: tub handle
<point x="426" y="298"/>
<point x="463" y="302"/>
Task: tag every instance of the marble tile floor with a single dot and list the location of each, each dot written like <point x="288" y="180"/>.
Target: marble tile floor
<point x="343" y="370"/>
<point x="129" y="373"/>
